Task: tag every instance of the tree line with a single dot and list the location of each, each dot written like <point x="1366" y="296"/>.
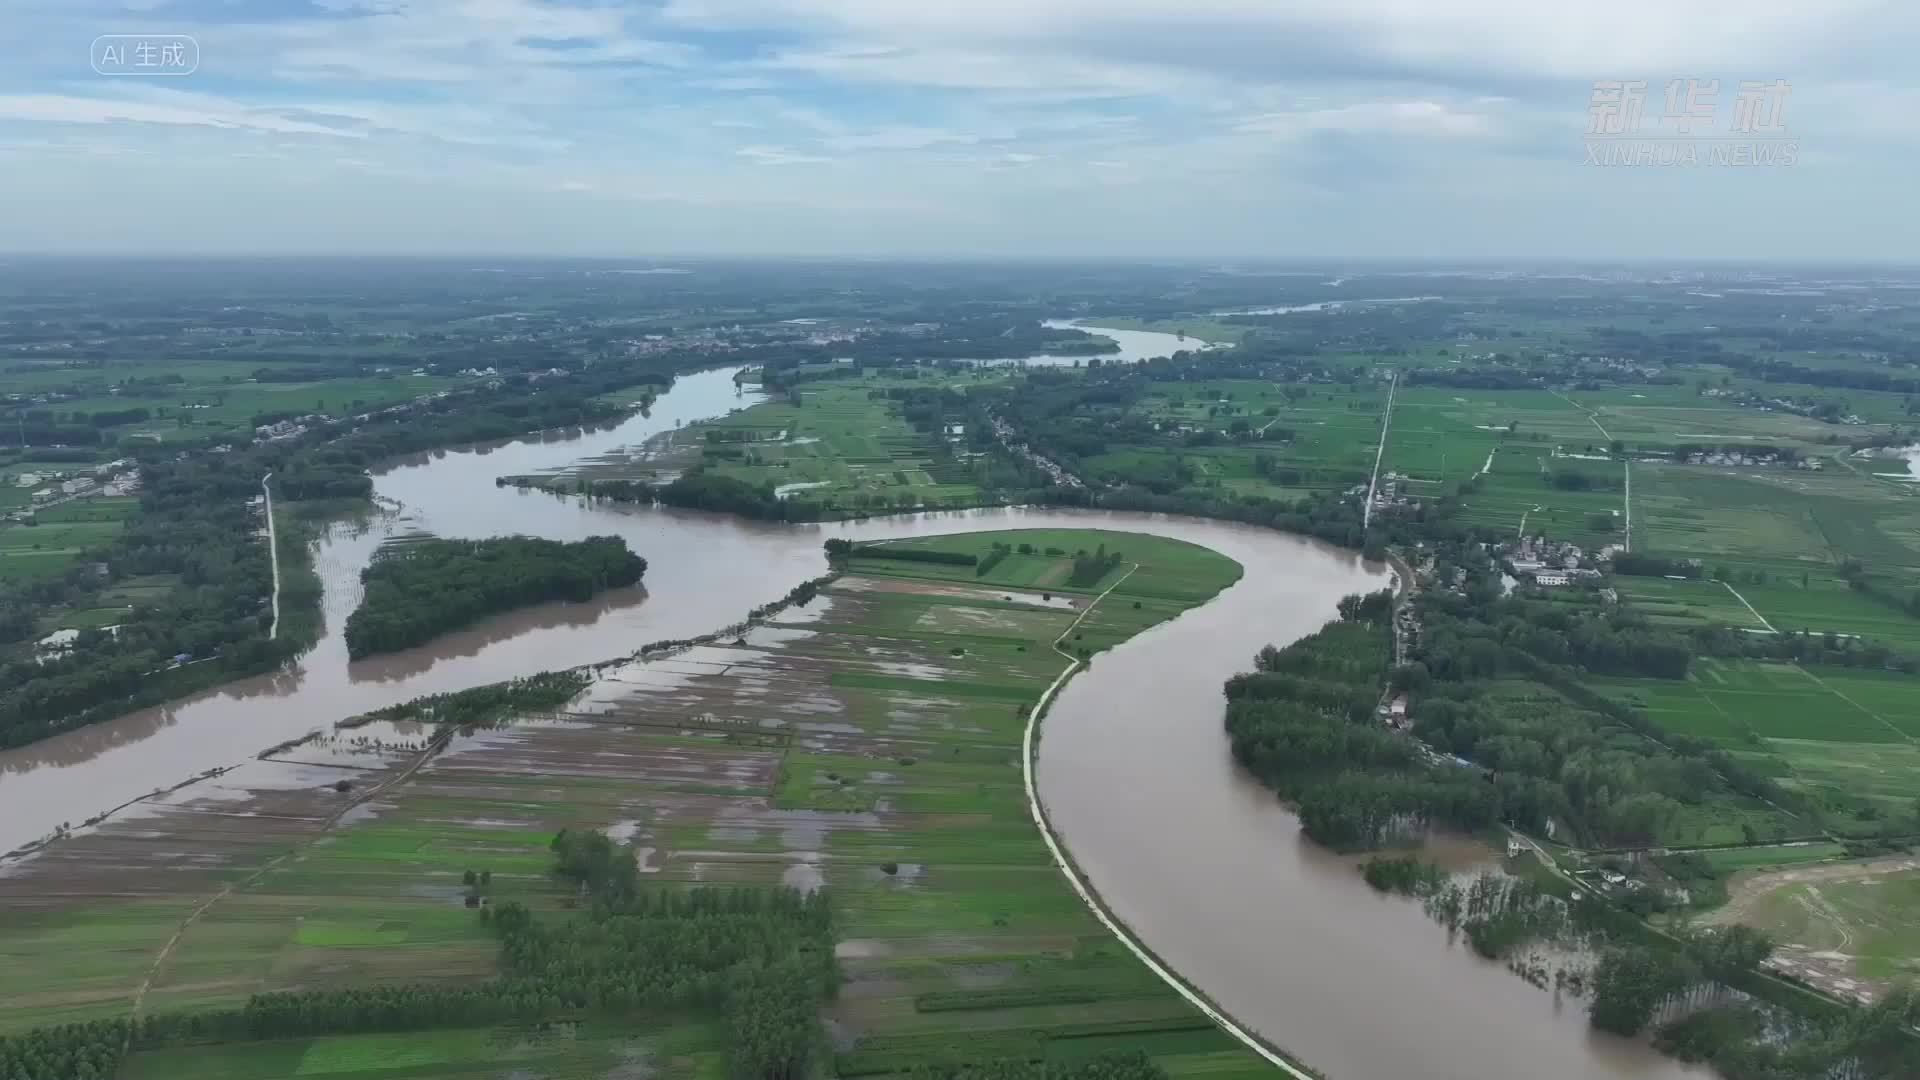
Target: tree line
<point x="198" y="521"/>
<point x="418" y="590"/>
<point x="760" y="957"/>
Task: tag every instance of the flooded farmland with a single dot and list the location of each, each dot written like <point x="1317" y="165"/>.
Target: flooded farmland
<point x="1205" y="866"/>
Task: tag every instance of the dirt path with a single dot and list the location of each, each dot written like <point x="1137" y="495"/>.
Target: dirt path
<point x="1749" y="887"/>
<point x="273" y="551"/>
<point x="1755" y="611"/>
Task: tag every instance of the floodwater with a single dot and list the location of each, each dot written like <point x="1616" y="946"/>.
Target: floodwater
<point x="1328" y="305"/>
<point x="1135" y="345"/>
<point x="704" y="572"/>
<point x="1203" y="864"/>
<point x="1213" y="875"/>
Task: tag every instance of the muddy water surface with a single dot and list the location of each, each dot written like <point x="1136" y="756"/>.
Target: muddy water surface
<point x="1205" y="865"/>
<point x="1211" y="872"/>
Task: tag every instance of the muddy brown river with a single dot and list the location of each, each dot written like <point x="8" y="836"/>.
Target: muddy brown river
<point x="1205" y="866"/>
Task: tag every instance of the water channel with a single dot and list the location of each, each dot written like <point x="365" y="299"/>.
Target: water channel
<point x="1205" y="866"/>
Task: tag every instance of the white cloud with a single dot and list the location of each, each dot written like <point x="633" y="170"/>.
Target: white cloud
<point x="779" y="155"/>
<point x="1415" y="118"/>
<point x="64" y="109"/>
<point x="1559" y="40"/>
<point x="899" y="138"/>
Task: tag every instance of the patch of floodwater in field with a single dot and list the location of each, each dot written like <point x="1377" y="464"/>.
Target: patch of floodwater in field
<point x="961" y="592"/>
<point x="366" y="811"/>
<point x="904" y="874"/>
<point x="384" y="732"/>
<point x="778" y="635"/>
<point x="784" y="490"/>
<point x="911" y="670"/>
<point x="817" y="728"/>
<point x="804" y="874"/>
<point x="503" y="824"/>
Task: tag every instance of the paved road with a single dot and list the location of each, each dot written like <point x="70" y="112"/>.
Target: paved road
<point x="273" y="552"/>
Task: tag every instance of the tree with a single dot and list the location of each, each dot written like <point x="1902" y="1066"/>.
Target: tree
<point x="1631" y="983"/>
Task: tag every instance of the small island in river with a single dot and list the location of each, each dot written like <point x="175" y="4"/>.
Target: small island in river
<point x="420" y="590"/>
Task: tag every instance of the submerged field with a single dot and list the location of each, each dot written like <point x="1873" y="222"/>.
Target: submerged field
<point x="867" y="743"/>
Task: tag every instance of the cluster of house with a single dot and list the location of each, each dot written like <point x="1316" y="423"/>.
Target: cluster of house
<point x="720" y="339"/>
<point x="282" y="430"/>
<point x="1748" y="399"/>
<point x="118" y="477"/>
<point x="1746" y="458"/>
<point x="1055" y="472"/>
<point x="1549" y="563"/>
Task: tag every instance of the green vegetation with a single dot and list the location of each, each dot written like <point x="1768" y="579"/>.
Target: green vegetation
<point x="840" y="442"/>
<point x="417" y="590"/>
<point x="906" y="802"/>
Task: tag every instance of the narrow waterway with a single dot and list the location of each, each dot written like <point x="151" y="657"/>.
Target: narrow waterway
<point x="1204" y="865"/>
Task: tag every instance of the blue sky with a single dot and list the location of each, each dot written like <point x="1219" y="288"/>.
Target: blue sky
<point x="965" y="127"/>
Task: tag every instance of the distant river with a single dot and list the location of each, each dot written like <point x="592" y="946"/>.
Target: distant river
<point x="1204" y="864"/>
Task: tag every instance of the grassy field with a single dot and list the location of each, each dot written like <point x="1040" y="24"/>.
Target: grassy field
<point x="1324" y="436"/>
<point x="870" y="745"/>
<point x="839" y="443"/>
<point x="60" y="534"/>
<point x="1845" y="738"/>
<point x="1849" y="926"/>
<point x="219" y="396"/>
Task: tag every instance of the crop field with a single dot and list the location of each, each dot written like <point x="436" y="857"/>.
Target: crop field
<point x="1467" y="421"/>
<point x="1687" y="604"/>
<point x="1733" y="860"/>
<point x="60" y="534"/>
<point x="224" y="397"/>
<point x="839" y="445"/>
<point x="1230" y="467"/>
<point x="1847" y="738"/>
<point x="1325" y="434"/>
<point x="1516" y="492"/>
<point x="868" y="743"/>
<point x="558" y="1051"/>
<point x="1780" y="520"/>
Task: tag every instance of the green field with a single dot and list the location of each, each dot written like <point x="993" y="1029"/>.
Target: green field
<point x="1732" y="860"/>
<point x="1844" y="738"/>
<point x="876" y="752"/>
<point x="61" y="534"/>
<point x="1856" y="920"/>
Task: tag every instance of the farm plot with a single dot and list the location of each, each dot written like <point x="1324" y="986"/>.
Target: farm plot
<point x="1780" y="521"/>
<point x="843" y="443"/>
<point x="866" y="745"/>
<point x="1844" y="738"/>
<point x="1687" y="604"/>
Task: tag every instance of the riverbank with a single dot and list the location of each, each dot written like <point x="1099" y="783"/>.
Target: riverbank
<point x="869" y="740"/>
